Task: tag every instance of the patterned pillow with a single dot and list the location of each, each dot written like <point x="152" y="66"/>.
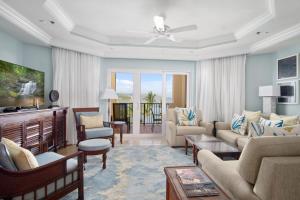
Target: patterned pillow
<point x="287" y="120"/>
<point x="272" y="123"/>
<point x="283" y="131"/>
<point x="238" y="123"/>
<point x="251" y="116"/>
<point x="257" y="130"/>
<point x="186" y="117"/>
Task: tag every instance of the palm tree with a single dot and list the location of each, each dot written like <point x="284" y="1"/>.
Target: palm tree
<point x="150" y="99"/>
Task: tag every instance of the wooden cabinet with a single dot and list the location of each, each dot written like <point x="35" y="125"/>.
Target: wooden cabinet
<point x="33" y="128"/>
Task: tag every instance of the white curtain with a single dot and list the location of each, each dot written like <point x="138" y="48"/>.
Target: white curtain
<point x="220" y="87"/>
<point x="77" y="78"/>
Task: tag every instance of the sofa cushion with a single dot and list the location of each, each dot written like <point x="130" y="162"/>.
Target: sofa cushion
<point x="94" y="145"/>
<point x="228" y="136"/>
<point x="98" y="132"/>
<point x="5" y="159"/>
<point x="190" y="130"/>
<point x="172" y="115"/>
<point x="48" y="157"/>
<point x="258" y="148"/>
<point x="241" y="142"/>
<point x="23" y="158"/>
<point x="91" y="121"/>
<point x="278" y="178"/>
<point x="287" y="120"/>
<point x="225" y="175"/>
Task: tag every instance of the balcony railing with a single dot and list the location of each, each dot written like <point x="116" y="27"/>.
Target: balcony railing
<point x="150" y="113"/>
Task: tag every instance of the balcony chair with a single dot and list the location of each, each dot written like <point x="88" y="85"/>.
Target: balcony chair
<point x="106" y="132"/>
<point x="157" y="118"/>
<point x="55" y="176"/>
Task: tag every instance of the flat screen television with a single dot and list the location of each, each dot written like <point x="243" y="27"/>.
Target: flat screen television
<point x="20" y="85"/>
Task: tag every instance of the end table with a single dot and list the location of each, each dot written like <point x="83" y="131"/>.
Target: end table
<point x="118" y="125"/>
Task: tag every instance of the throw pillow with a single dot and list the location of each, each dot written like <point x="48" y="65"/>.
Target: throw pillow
<point x="186" y="117"/>
<point x="283" y="131"/>
<point x="287" y="120"/>
<point x="5" y="159"/>
<point x="272" y="123"/>
<point x="91" y="121"/>
<point x="238" y="124"/>
<point x="250" y="117"/>
<point x="23" y="158"/>
<point x="256" y="130"/>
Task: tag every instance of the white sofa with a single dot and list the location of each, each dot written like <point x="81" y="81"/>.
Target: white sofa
<point x="175" y="134"/>
<point x="268" y="169"/>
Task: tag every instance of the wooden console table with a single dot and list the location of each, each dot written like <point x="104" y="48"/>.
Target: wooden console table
<point x="174" y="190"/>
<point x="31" y="128"/>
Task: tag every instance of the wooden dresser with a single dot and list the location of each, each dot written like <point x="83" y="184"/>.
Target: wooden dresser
<point x="35" y="127"/>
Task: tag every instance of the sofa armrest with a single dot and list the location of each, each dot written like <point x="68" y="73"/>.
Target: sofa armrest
<point x="206" y="157"/>
<point x="222" y="126"/>
<point x="278" y="178"/>
<point x="171" y="130"/>
<point x="208" y="126"/>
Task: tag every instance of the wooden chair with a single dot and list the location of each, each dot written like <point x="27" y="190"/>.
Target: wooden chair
<point x="42" y="182"/>
<point x="83" y="134"/>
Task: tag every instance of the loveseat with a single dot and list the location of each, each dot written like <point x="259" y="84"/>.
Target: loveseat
<point x="268" y="169"/>
<point x="175" y="133"/>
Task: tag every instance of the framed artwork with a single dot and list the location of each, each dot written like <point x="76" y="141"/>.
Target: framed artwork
<point x="289" y="92"/>
<point x="287" y="68"/>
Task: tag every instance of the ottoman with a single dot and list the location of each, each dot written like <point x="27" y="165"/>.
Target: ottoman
<point x="95" y="147"/>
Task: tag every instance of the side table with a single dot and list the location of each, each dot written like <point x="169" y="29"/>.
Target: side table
<point x="118" y="125"/>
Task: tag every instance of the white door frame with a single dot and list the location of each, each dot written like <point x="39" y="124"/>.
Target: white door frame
<point x="137" y="91"/>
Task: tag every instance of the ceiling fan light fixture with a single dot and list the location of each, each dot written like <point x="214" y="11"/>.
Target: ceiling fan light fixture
<point x="159" y="23"/>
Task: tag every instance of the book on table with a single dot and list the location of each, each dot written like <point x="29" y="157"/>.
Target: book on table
<point x="195" y="183"/>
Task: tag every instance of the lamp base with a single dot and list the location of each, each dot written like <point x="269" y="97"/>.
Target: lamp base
<point x="269" y="105"/>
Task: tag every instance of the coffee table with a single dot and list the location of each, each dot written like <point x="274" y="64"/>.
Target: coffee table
<point x="174" y="190"/>
<point x="215" y="145"/>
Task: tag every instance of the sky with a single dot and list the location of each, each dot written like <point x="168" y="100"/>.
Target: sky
<point x="149" y="82"/>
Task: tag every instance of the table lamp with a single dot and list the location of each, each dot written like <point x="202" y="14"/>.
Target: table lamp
<point x="269" y="94"/>
<point x="109" y="94"/>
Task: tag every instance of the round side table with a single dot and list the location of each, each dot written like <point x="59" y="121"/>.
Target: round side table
<point x="118" y="125"/>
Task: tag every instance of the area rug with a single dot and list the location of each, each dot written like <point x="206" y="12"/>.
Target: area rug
<point x="133" y="172"/>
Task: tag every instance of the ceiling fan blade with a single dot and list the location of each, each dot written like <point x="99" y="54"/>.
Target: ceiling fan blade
<point x="140" y="32"/>
<point x="151" y="40"/>
<point x="159" y="23"/>
<point x="183" y="29"/>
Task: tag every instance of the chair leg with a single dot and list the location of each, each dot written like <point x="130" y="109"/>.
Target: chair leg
<point x="104" y="160"/>
<point x="85" y="159"/>
<point x="113" y="140"/>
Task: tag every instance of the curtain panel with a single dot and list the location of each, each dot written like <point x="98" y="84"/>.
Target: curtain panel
<point x="220" y="87"/>
<point x="76" y="76"/>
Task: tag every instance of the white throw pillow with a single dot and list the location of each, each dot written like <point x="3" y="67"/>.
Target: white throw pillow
<point x="239" y="124"/>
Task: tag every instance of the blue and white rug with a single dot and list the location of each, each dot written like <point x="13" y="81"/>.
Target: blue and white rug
<point x="133" y="172"/>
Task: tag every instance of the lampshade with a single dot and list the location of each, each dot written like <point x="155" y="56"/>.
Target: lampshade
<point x="109" y="94"/>
<point x="269" y="91"/>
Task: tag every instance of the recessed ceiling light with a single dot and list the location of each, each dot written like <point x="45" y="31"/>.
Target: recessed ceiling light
<point x="260" y="33"/>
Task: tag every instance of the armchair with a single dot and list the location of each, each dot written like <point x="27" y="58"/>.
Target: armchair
<point x="55" y="177"/>
<point x="105" y="132"/>
<point x="175" y="134"/>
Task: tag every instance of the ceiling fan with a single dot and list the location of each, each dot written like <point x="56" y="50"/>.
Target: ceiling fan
<point x="161" y="30"/>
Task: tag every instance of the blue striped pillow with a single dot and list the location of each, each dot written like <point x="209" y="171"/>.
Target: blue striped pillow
<point x="271" y="123"/>
<point x="237" y="124"/>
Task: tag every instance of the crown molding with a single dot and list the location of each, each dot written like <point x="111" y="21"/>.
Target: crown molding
<point x="257" y="22"/>
<point x="55" y="9"/>
<point x="276" y="38"/>
<point x="19" y="20"/>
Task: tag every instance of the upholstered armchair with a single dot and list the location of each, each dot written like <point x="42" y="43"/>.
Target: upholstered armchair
<point x="83" y="133"/>
<point x="175" y="133"/>
<point x="55" y="176"/>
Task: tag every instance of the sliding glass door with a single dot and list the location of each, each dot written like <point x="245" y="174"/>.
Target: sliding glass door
<point x="144" y="98"/>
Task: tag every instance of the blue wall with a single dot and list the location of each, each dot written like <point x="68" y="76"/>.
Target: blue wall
<point x="259" y="72"/>
<point x="33" y="56"/>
